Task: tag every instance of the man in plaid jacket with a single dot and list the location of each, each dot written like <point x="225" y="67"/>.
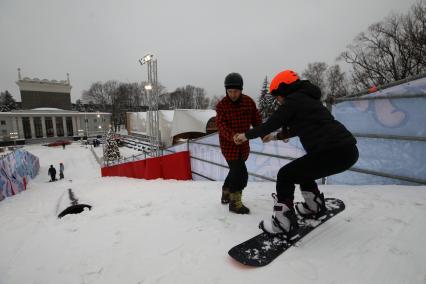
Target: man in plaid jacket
<point x="236" y="112"/>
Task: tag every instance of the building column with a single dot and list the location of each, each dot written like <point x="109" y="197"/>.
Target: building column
<point x="64" y="126"/>
<point x="43" y="126"/>
<point x="20" y="128"/>
<point x="75" y="126"/>
<point x="86" y="125"/>
<point x="32" y="127"/>
<point x="14" y="125"/>
<point x="55" y="134"/>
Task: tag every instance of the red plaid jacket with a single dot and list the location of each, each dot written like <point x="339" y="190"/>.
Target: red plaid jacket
<point x="232" y="118"/>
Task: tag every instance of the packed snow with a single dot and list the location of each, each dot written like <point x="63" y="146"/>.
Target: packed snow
<point x="159" y="231"/>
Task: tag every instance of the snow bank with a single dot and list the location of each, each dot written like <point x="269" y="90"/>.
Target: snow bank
<point x="178" y="232"/>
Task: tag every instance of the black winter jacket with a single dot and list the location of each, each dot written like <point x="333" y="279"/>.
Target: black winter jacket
<point x="52" y="171"/>
<point x="302" y="114"/>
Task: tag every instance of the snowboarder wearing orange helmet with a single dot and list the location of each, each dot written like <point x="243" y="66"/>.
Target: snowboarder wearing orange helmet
<point x="330" y="149"/>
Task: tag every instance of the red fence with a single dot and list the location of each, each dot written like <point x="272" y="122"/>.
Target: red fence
<point x="173" y="166"/>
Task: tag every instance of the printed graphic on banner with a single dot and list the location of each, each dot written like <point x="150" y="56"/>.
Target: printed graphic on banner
<point x="16" y="169"/>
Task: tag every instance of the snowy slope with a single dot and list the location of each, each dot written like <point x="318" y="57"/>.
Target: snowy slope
<point x="178" y="232"/>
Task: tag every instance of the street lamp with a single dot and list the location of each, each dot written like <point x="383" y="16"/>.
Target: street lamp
<point x="85" y="123"/>
<point x="146" y="59"/>
<point x="14" y="136"/>
<point x="81" y="134"/>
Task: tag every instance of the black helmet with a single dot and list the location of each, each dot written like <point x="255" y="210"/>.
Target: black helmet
<point x="234" y="81"/>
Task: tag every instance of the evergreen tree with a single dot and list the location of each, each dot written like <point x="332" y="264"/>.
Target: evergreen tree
<point x="7" y="102"/>
<point x="267" y="103"/>
<point x="111" y="150"/>
<point x="79" y="105"/>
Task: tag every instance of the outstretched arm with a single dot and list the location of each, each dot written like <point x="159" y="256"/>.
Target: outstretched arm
<point x="279" y="118"/>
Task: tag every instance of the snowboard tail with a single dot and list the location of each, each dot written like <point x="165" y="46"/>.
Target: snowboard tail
<point x="264" y="248"/>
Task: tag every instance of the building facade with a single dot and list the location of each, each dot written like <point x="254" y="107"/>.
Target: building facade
<point x="42" y="123"/>
<point x="36" y="93"/>
<point x="47" y="114"/>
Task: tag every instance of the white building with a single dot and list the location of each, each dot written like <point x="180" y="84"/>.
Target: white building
<point x="43" y="123"/>
<point x="48" y="114"/>
<point x="174" y="124"/>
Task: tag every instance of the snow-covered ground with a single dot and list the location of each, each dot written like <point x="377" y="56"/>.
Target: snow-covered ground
<point x="178" y="232"/>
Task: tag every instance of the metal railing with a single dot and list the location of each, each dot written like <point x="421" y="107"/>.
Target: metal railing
<point x="381" y="97"/>
<point x="391" y="137"/>
<point x="122" y="160"/>
<point x="354" y="169"/>
<point x="385" y="86"/>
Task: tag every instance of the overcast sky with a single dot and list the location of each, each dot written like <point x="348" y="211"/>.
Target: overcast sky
<point x="196" y="42"/>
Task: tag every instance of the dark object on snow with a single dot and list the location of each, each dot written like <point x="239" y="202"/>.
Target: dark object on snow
<point x="264" y="248"/>
<point x="58" y="143"/>
<point x="52" y="173"/>
<point x="75" y="208"/>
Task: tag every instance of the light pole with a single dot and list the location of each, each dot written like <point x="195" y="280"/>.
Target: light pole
<point x="14" y="136"/>
<point x="85" y="123"/>
<point x="152" y="90"/>
<point x="81" y="134"/>
<point x="99" y="121"/>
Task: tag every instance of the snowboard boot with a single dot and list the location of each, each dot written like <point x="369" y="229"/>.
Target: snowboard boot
<point x="225" y="195"/>
<point x="283" y="222"/>
<point x="236" y="205"/>
<point x="313" y="207"/>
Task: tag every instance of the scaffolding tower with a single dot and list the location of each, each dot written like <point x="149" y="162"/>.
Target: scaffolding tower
<point x="153" y="129"/>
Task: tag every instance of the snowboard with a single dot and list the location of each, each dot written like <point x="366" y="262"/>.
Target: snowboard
<point x="263" y="248"/>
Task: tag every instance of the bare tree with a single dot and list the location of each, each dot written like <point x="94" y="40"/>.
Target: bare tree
<point x="316" y="73"/>
<point x="330" y="79"/>
<point x="390" y="50"/>
<point x="214" y="101"/>
<point x="201" y="101"/>
<point x="188" y="97"/>
<point x="100" y="93"/>
<point x="336" y="83"/>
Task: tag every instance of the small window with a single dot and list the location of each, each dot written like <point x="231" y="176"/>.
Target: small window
<point x="3" y="122"/>
<point x="95" y="120"/>
<point x="4" y="132"/>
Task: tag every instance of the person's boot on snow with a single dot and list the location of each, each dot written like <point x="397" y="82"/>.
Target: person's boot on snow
<point x="283" y="221"/>
<point x="236" y="205"/>
<point x="313" y="207"/>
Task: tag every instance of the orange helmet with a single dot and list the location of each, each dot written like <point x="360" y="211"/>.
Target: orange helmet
<point x="285" y="77"/>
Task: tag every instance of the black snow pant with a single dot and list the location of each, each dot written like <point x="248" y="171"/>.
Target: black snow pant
<point x="305" y="170"/>
<point x="237" y="178"/>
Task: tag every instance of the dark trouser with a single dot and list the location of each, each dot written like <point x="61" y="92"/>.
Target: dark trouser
<point x="237" y="178"/>
<point x="307" y="169"/>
